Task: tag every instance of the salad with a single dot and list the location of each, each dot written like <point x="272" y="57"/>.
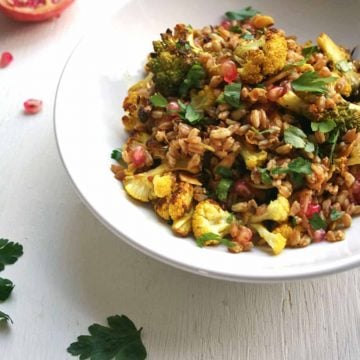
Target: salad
<point x="242" y="136"/>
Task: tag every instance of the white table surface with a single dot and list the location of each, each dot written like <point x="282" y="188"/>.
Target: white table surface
<point x="75" y="272"/>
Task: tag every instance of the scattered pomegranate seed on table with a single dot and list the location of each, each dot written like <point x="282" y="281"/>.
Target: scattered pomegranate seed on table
<point x="5" y="59"/>
<point x="32" y="106"/>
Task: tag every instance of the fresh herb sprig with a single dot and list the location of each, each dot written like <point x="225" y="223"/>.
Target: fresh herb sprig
<point x="121" y="340"/>
<point x="312" y="82"/>
<point x="203" y="239"/>
<point x="298" y="139"/>
<point x="243" y="14"/>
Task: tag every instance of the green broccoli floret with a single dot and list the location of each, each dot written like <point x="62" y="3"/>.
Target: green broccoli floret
<point x="341" y="64"/>
<point x="173" y="57"/>
<point x="346" y="114"/>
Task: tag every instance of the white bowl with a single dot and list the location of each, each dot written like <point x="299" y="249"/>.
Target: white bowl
<point x="87" y="122"/>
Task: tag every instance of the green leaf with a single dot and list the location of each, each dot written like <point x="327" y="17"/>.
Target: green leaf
<point x="192" y="80"/>
<point x="120" y="341"/>
<point x="333" y="138"/>
<point x="193" y="116"/>
<point x="6" y="287"/>
<point x="309" y="51"/>
<point x="224" y="172"/>
<point x="248" y="36"/>
<point x="117" y="154"/>
<point x="265" y="176"/>
<point x="203" y="239"/>
<point x="230" y="219"/>
<point x="295" y="137"/>
<point x="295" y="64"/>
<point x="232" y="94"/>
<point x="323" y="126"/>
<point x="317" y="222"/>
<point x="5" y="317"/>
<point x="158" y="100"/>
<point x="336" y="214"/>
<point x="309" y="147"/>
<point x="344" y="66"/>
<point x="236" y="29"/>
<point x="300" y="166"/>
<point x="9" y="252"/>
<point x="312" y="82"/>
<point x="223" y="188"/>
<point x="243" y="14"/>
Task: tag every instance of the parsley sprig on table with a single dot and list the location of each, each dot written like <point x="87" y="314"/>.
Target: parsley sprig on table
<point x="9" y="254"/>
<point x="120" y="341"/>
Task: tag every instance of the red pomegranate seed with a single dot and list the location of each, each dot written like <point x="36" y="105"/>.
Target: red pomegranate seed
<point x="242" y="189"/>
<point x="312" y="209"/>
<point x="5" y="59"/>
<point x="173" y="106"/>
<point x="229" y="71"/>
<point x="226" y="24"/>
<point x="275" y="93"/>
<point x="32" y="106"/>
<point x="138" y="156"/>
<point x="319" y="235"/>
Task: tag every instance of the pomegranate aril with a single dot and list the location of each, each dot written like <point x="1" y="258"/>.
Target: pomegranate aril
<point x="312" y="209"/>
<point x="138" y="156"/>
<point x="226" y="24"/>
<point x="5" y="59"/>
<point x="32" y="106"/>
<point x="319" y="235"/>
<point x="229" y="71"/>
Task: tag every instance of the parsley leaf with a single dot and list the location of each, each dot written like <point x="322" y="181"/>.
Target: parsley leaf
<point x="243" y="14"/>
<point x="5" y="317"/>
<point x="224" y="172"/>
<point x="265" y="176"/>
<point x="336" y="214"/>
<point x="312" y="82"/>
<point x="317" y="222"/>
<point x="9" y="252"/>
<point x="344" y="66"/>
<point x="232" y="94"/>
<point x="309" y="51"/>
<point x="121" y="340"/>
<point x="193" y="79"/>
<point x="6" y="287"/>
<point x="158" y="100"/>
<point x="203" y="239"/>
<point x="298" y="166"/>
<point x="236" y="29"/>
<point x="248" y="36"/>
<point x="188" y="113"/>
<point x="323" y="126"/>
<point x="223" y="188"/>
<point x="117" y="154"/>
<point x="298" y="139"/>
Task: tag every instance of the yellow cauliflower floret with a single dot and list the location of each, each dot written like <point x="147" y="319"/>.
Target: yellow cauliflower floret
<point x="163" y="184"/>
<point x="182" y="226"/>
<point x="285" y="230"/>
<point x="140" y="186"/>
<point x="208" y="218"/>
<point x="278" y="210"/>
<point x="261" y="57"/>
<point x="275" y="240"/>
<point x="161" y="207"/>
<point x="180" y="200"/>
<point x="253" y="159"/>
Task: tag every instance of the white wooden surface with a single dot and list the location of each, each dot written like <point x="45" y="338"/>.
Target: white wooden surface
<point x="75" y="272"/>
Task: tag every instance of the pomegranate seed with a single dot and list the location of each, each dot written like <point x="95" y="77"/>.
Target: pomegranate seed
<point x="312" y="209"/>
<point x="229" y="71"/>
<point x="138" y="156"/>
<point x="275" y="93"/>
<point x="32" y="106"/>
<point x="5" y="59"/>
<point x="319" y="235"/>
<point x="242" y="189"/>
<point x="226" y="24"/>
<point x="173" y="106"/>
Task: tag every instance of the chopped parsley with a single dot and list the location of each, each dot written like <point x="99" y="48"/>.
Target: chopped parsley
<point x="243" y="14"/>
<point x="336" y="214"/>
<point x="158" y="100"/>
<point x="323" y="126"/>
<point x="309" y="51"/>
<point x="193" y="79"/>
<point x="298" y="166"/>
<point x="224" y="172"/>
<point x="190" y="114"/>
<point x="117" y="155"/>
<point x="223" y="188"/>
<point x="312" y="82"/>
<point x="265" y="176"/>
<point x="232" y="94"/>
<point x="298" y="139"/>
<point x="120" y="340"/>
<point x="203" y="239"/>
<point x="317" y="222"/>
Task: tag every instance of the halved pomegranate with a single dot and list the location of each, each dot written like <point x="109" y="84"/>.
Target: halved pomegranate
<point x="33" y="10"/>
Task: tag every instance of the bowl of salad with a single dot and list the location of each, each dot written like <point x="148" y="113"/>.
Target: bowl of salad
<point x="235" y="153"/>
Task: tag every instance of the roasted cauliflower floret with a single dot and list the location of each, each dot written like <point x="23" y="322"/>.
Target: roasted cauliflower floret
<point x="161" y="207"/>
<point x="210" y="218"/>
<point x="278" y="210"/>
<point x="140" y="186"/>
<point x="284" y="229"/>
<point x="253" y="159"/>
<point x="261" y="57"/>
<point x="182" y="226"/>
<point x="163" y="184"/>
<point x="180" y="200"/>
<point x="276" y="241"/>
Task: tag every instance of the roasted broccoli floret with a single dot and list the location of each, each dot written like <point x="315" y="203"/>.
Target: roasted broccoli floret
<point x="278" y="210"/>
<point x="172" y="59"/>
<point x="346" y="114"/>
<point x="276" y="241"/>
<point x="261" y="57"/>
<point x="341" y="64"/>
<point x="210" y="218"/>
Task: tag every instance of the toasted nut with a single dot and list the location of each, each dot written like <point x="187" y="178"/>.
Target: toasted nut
<point x="261" y="21"/>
